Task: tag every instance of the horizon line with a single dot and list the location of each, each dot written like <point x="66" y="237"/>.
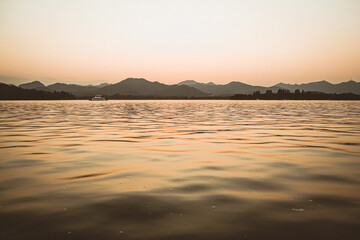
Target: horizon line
<point x="21" y="80"/>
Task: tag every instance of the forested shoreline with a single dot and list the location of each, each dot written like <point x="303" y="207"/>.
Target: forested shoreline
<point x="11" y="92"/>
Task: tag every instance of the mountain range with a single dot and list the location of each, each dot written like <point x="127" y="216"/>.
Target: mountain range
<point x="75" y="89"/>
<point x="127" y="87"/>
<point x="11" y="92"/>
<point x="188" y="88"/>
<point x="227" y="89"/>
<point x="324" y="86"/>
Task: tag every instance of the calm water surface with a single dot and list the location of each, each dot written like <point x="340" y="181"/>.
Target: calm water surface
<point x="179" y="170"/>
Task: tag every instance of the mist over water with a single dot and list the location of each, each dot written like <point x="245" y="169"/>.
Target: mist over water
<point x="182" y="169"/>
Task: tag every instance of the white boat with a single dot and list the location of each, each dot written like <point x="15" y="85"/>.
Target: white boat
<point x="98" y="98"/>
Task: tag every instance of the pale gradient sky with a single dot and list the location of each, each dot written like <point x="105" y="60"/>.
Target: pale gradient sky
<point x="259" y="42"/>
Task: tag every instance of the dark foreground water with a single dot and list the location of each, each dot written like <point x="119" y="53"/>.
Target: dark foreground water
<point x="179" y="170"/>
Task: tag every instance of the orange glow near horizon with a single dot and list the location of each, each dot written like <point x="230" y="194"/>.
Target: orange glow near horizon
<point x="255" y="42"/>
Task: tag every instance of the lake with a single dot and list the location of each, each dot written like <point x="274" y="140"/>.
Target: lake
<point x="179" y="169"/>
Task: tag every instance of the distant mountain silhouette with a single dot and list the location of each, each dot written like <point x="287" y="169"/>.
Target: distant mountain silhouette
<point x="143" y="87"/>
<point x="193" y="82"/>
<point x="13" y="80"/>
<point x="102" y="85"/>
<point x="324" y="86"/>
<point x="188" y="82"/>
<point x="78" y="90"/>
<point x="226" y="89"/>
<point x="11" y="92"/>
<point x="34" y="85"/>
<point x="187" y="88"/>
<point x="127" y="87"/>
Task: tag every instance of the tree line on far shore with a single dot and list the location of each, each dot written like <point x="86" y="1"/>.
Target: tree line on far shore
<point x="284" y="94"/>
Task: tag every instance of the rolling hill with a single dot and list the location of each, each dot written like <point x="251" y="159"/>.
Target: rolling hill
<point x="143" y="87"/>
<point x="226" y="89"/>
<point x="324" y="86"/>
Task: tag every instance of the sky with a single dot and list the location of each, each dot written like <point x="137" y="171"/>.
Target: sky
<point x="259" y="42"/>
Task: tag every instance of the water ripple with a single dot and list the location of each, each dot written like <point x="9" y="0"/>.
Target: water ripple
<point x="179" y="170"/>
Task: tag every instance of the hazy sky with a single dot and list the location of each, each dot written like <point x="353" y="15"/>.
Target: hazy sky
<point x="259" y="42"/>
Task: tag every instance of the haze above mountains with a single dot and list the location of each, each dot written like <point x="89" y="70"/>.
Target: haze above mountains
<point x="188" y="88"/>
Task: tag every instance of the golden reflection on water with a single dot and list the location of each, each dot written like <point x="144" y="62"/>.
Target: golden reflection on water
<point x="223" y="168"/>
